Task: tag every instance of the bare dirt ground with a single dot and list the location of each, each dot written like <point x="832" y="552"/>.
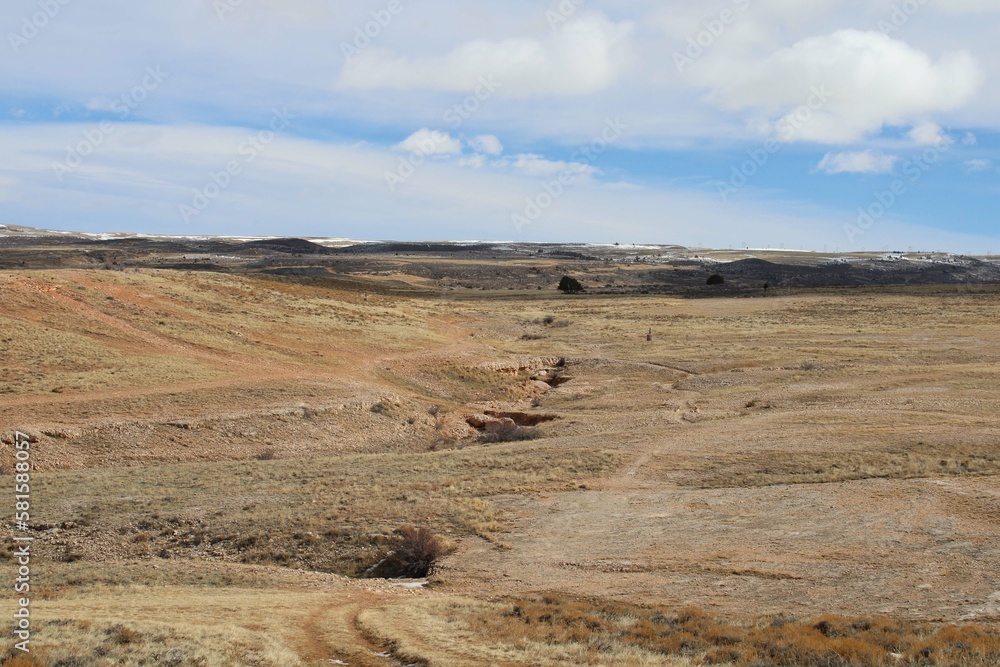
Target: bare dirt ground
<point x="825" y="451"/>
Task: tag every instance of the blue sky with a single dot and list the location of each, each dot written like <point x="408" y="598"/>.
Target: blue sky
<point x="835" y="124"/>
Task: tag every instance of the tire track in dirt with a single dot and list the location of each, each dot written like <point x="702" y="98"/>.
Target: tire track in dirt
<point x="332" y="632"/>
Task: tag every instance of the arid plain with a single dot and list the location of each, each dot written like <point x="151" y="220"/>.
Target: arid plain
<point x="220" y="455"/>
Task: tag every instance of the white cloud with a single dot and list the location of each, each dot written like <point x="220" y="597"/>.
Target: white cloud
<point x="318" y="188"/>
<point x="974" y="166"/>
<point x="530" y="164"/>
<point x="929" y="134"/>
<point x="474" y="161"/>
<point x="290" y="50"/>
<point x="486" y="143"/>
<point x="102" y="104"/>
<point x="969" y="139"/>
<point x="872" y="79"/>
<point x="862" y="162"/>
<point x="966" y="6"/>
<point x="585" y="56"/>
<point x="430" y="142"/>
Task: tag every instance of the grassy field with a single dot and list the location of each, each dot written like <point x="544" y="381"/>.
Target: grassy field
<point x="814" y="473"/>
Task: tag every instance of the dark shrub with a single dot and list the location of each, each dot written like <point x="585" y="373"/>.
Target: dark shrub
<point x="716" y="280"/>
<point x="414" y="554"/>
<point x="570" y="285"/>
<point x="517" y="434"/>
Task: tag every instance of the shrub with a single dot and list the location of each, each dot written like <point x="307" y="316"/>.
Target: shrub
<point x="516" y="434"/>
<point x="716" y="279"/>
<point x="414" y="555"/>
<point x="570" y="285"/>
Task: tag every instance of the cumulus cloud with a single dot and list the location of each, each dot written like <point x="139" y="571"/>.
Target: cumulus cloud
<point x="929" y="134"/>
<point x="430" y="142"/>
<point x="873" y="81"/>
<point x="861" y="162"/>
<point x="486" y="143"/>
<point x="585" y="56"/>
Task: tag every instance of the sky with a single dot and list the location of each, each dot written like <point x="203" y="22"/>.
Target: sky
<point x="829" y="125"/>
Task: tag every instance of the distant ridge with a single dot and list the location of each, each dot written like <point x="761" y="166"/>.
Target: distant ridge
<point x="292" y="246"/>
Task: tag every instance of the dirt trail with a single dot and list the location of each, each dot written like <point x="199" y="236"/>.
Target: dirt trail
<point x="331" y="632"/>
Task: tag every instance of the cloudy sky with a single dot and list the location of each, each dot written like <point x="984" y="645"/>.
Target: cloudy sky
<point x="829" y="124"/>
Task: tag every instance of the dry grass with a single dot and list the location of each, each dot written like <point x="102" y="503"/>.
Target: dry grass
<point x="919" y="460"/>
<point x="331" y="515"/>
<point x="86" y="331"/>
<point x="809" y="389"/>
<point x="555" y="629"/>
<point x="177" y="627"/>
<point x="86" y="644"/>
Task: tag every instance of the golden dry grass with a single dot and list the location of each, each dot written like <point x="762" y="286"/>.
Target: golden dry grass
<point x="175" y="626"/>
<point x="555" y="629"/>
<point x="84" y="331"/>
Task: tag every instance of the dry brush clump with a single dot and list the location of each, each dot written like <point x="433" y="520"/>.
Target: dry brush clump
<point x="413" y="554"/>
<point x="605" y="629"/>
<point x="513" y="434"/>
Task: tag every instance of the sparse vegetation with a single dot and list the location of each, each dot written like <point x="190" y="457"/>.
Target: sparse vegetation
<point x="555" y="629"/>
<point x="919" y="460"/>
<point x="322" y="514"/>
